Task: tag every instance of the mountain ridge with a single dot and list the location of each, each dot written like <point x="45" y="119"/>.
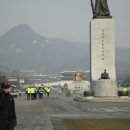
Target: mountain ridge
<point x="24" y="49"/>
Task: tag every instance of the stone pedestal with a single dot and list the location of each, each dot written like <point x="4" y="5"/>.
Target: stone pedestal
<point x="79" y="87"/>
<point x="102" y="56"/>
<point x="104" y="88"/>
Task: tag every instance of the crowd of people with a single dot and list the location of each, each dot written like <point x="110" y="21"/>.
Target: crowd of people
<point x="37" y="92"/>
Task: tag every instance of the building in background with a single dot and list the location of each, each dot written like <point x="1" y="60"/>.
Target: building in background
<point x="69" y="75"/>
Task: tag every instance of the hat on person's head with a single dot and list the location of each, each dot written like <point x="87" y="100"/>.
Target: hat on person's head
<point x="5" y="86"/>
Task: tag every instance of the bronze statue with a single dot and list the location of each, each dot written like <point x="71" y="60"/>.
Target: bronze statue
<point x="105" y="75"/>
<point x="78" y="76"/>
<point x="100" y="9"/>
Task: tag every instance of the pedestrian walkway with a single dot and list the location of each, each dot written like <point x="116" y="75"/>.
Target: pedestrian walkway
<point x="49" y="112"/>
<point x="34" y="122"/>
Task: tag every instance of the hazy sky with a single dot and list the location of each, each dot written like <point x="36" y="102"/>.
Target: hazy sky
<point x="68" y="19"/>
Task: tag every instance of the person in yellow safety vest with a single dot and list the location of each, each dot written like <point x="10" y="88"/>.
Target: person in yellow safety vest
<point x="32" y="93"/>
<point x="48" y="90"/>
<point x="126" y="90"/>
<point x="28" y="92"/>
<point x="35" y="92"/>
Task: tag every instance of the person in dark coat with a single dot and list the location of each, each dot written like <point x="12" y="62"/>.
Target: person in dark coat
<point x="7" y="109"/>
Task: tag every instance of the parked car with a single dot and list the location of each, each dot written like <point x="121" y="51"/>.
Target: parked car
<point x="15" y="92"/>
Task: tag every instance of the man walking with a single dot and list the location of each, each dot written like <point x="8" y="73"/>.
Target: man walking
<point x="48" y="90"/>
<point x="7" y="109"/>
<point x="40" y="92"/>
<point x="28" y="92"/>
<point x="32" y="91"/>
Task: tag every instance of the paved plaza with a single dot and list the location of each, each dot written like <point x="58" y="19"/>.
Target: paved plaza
<point x="48" y="113"/>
